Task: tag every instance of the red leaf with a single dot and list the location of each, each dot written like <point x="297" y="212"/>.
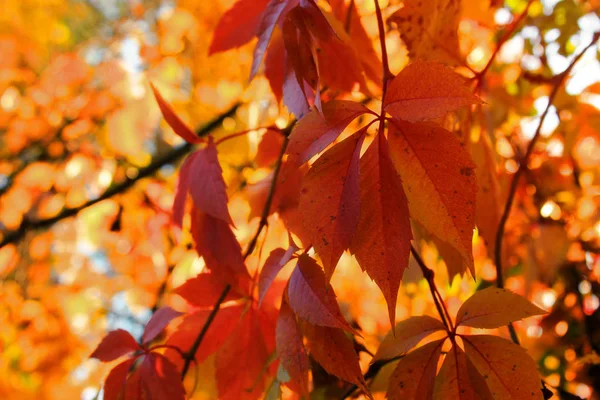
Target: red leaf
<point x="173" y="120"/>
<point x="331" y="220"/>
<point x="439" y="181"/>
<point x="220" y="329"/>
<point x="182" y="189"/>
<point x="114" y="345"/>
<point x="156" y="378"/>
<point x="238" y="25"/>
<point x="332" y="349"/>
<point x="274" y="263"/>
<point x="267" y="24"/>
<point x="269" y="147"/>
<point x="312" y="297"/>
<point x="275" y="65"/>
<point x="206" y="183"/>
<point x="115" y="383"/>
<point x="240" y="362"/>
<point x="217" y="244"/>
<point x="158" y="322"/>
<point x="315" y="131"/>
<point x="382" y="241"/>
<point x="426" y="90"/>
<point x="290" y="348"/>
<point x="204" y="290"/>
<point x="414" y="375"/>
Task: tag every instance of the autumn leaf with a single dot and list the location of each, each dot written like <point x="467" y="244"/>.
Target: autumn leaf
<point x="159" y="321"/>
<point x="408" y="334"/>
<point x="430" y="29"/>
<point x="315" y="131"/>
<point x="155" y="378"/>
<point x="331" y="220"/>
<point x="426" y="90"/>
<point x="238" y="25"/>
<point x="290" y="348"/>
<point x="271" y="15"/>
<point x="173" y="119"/>
<point x="383" y="235"/>
<point x="116" y="381"/>
<point x="453" y="380"/>
<point x="439" y="184"/>
<point x="335" y="353"/>
<point x="114" y="345"/>
<point x="204" y="289"/>
<point x="492" y="308"/>
<point x="240" y="362"/>
<point x="510" y="373"/>
<point x="414" y="375"/>
<point x="273" y="264"/>
<point x="312" y="297"/>
<point x="269" y="147"/>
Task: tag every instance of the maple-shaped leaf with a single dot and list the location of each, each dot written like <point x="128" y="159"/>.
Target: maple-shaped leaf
<point x="116" y="381"/>
<point x="439" y="181"/>
<point x="204" y="289"/>
<point x="330" y="218"/>
<point x="160" y="319"/>
<point x="290" y="348"/>
<point x="334" y="351"/>
<point x="238" y="25"/>
<point x="454" y="379"/>
<point x="493" y="307"/>
<point x="273" y="264"/>
<point x="115" y="344"/>
<point x="317" y="130"/>
<point x="509" y="372"/>
<point x="383" y="235"/>
<point x="156" y="378"/>
<point x="430" y="29"/>
<point x="406" y="335"/>
<point x="426" y="90"/>
<point x="224" y="323"/>
<point x="312" y="297"/>
<point x="173" y="119"/>
<point x="240" y="362"/>
<point x="414" y="375"/>
<point x="216" y="243"/>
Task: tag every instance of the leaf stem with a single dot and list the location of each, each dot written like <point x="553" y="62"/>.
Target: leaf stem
<point x="241" y="133"/>
<point x="387" y="74"/>
<point x="560" y="78"/>
<point x="437" y="298"/>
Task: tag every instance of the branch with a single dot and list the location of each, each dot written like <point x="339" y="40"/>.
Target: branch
<point x="523" y="167"/>
<point x="191" y="353"/>
<point x="160" y="161"/>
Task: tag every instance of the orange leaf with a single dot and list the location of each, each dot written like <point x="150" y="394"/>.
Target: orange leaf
<point x="408" y="334"/>
<point x="509" y="371"/>
<point x="312" y="297"/>
<point x="315" y="131"/>
<point x="332" y="349"/>
<point x="492" y="308"/>
<point x="290" y="348"/>
<point x="330" y="200"/>
<point x="439" y="181"/>
<point x="426" y="90"/>
<point x="453" y="380"/>
<point x="383" y="235"/>
<point x="204" y="289"/>
<point x="414" y="376"/>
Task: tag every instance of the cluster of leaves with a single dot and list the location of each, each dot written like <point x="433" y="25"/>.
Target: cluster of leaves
<point x="374" y="165"/>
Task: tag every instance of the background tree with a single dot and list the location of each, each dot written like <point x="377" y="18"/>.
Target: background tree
<point x="444" y="148"/>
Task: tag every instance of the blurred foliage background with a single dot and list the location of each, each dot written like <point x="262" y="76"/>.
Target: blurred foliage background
<point x="88" y="168"/>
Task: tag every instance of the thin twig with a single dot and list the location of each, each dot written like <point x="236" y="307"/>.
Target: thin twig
<point x="387" y="74"/>
<point x="159" y="162"/>
<point x="523" y="167"/>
